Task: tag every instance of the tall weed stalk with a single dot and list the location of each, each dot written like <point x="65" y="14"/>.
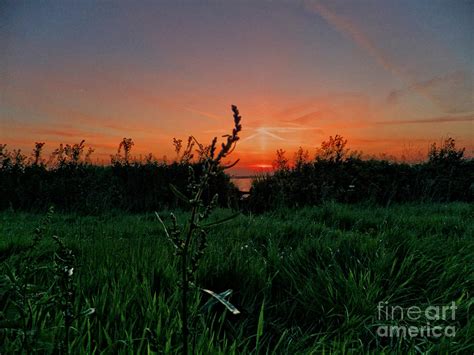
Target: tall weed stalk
<point x="190" y="239"/>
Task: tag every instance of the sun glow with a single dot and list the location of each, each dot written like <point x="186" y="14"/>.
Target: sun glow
<point x="261" y="166"/>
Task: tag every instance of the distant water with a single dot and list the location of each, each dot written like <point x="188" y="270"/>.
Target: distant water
<point x="243" y="184"/>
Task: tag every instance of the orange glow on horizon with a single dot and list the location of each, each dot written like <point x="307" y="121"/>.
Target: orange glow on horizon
<point x="261" y="166"/>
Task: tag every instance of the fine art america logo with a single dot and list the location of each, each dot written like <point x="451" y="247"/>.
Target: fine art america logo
<point x="414" y="321"/>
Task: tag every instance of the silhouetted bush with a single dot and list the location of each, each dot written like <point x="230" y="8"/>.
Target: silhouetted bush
<point x="337" y="174"/>
<point x="70" y="182"/>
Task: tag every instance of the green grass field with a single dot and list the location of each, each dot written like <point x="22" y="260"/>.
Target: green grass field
<point x="306" y="281"/>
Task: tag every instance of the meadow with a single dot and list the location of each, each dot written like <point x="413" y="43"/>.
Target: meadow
<point x="305" y="280"/>
<point x="336" y="217"/>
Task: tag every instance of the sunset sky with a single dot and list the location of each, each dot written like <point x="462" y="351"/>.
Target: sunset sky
<point x="390" y="76"/>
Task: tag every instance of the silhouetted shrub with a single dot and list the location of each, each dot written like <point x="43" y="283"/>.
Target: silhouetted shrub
<point x="338" y="174"/>
<point x="70" y="182"/>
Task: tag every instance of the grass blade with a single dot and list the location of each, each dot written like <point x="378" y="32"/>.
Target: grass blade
<point x="222" y="300"/>
<point x="221" y="221"/>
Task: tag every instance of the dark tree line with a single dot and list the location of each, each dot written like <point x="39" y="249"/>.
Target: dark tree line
<point x="69" y="181"/>
<point x="339" y="174"/>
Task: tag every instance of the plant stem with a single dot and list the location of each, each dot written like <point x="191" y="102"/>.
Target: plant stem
<point x="184" y="276"/>
<point x="184" y="299"/>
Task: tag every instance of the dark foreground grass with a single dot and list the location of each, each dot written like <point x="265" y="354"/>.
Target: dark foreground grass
<point x="305" y="281"/>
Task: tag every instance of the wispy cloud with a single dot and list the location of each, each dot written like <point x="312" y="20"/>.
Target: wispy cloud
<point x="325" y="110"/>
<point x="284" y="134"/>
<point x="296" y="109"/>
<point x="286" y="129"/>
<point x="66" y="133"/>
<point x="385" y="140"/>
<point x="452" y="91"/>
<point x="263" y="132"/>
<point x="203" y="114"/>
<point x="310" y="117"/>
<point x="347" y="28"/>
<point x="442" y="119"/>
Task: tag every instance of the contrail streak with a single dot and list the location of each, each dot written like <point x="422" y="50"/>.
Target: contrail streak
<point x="347" y="28"/>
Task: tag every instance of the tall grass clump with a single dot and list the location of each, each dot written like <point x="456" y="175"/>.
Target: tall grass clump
<point x="37" y="290"/>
